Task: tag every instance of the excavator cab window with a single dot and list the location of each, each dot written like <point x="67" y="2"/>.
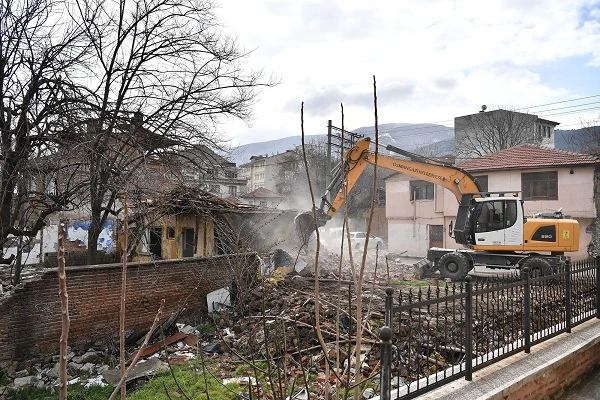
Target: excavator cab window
<point x="494" y="215"/>
<point x="511" y="213"/>
<point x="490" y="216"/>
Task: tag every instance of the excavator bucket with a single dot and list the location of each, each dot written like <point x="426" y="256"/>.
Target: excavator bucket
<point x="304" y="223"/>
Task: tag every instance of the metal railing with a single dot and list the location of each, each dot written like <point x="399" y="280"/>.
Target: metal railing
<point x="442" y="333"/>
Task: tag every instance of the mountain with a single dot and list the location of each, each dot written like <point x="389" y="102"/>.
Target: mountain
<point x="241" y="154"/>
<point x="569" y="139"/>
<point x="563" y="139"/>
<point x="402" y="135"/>
<point x="428" y="139"/>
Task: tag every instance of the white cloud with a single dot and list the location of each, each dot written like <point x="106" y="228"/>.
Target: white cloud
<point x="433" y="60"/>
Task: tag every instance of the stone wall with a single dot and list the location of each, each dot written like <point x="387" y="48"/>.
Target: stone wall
<point x="30" y="322"/>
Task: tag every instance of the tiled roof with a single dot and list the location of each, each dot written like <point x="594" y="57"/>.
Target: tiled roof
<point x="261" y="192"/>
<point x="528" y="156"/>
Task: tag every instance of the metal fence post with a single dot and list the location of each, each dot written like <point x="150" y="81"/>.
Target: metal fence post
<point x="568" y="291"/>
<point x="527" y="312"/>
<point x="389" y="305"/>
<point x="469" y="329"/>
<point x="385" y="354"/>
<point x="598" y="287"/>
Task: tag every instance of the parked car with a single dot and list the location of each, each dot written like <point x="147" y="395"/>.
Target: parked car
<point x="357" y="239"/>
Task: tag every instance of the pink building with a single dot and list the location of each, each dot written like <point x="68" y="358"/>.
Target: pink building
<point x="419" y="212"/>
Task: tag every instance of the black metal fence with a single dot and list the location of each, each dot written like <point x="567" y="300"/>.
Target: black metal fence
<point x="442" y="333"/>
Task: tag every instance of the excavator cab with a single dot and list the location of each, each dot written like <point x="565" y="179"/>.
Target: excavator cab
<point x="489" y="221"/>
<point x="497" y="222"/>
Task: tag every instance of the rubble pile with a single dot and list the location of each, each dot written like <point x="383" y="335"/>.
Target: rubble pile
<point x="273" y="323"/>
<point x="380" y="266"/>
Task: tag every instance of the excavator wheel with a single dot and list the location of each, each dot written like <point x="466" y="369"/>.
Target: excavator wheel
<point x="453" y="266"/>
<point x="537" y="267"/>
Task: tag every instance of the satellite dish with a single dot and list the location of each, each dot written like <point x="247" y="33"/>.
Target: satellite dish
<point x="483" y="107"/>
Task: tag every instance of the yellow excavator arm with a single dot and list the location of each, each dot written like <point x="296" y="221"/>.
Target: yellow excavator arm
<point x="456" y="180"/>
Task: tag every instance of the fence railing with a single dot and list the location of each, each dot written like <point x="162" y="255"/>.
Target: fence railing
<point x="439" y="334"/>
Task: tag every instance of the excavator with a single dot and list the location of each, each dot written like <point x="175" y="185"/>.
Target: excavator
<point x="491" y="226"/>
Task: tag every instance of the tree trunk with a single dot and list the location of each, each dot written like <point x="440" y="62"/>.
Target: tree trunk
<point x="18" y="264"/>
<point x="64" y="311"/>
<point x="93" y="234"/>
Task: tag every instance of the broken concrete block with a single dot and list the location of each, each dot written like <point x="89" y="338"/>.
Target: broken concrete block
<point x="150" y="367"/>
<point x="242" y="380"/>
<point x="88" y="367"/>
<point x="26" y="381"/>
<point x="74" y="366"/>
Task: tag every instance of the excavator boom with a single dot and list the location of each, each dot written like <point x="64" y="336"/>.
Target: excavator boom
<point x="457" y="180"/>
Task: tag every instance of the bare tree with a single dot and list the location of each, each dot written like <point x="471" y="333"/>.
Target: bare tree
<point x="492" y="131"/>
<point x="163" y="75"/>
<point x="291" y="176"/>
<point x="39" y="55"/>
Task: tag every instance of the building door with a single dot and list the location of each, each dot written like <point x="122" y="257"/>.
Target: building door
<point x="155" y="245"/>
<point x="436" y="236"/>
<point x="189" y="242"/>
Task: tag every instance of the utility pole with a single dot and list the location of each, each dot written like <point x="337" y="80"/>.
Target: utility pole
<point x="328" y="166"/>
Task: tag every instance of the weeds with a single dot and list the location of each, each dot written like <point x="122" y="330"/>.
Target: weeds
<point x="75" y="392"/>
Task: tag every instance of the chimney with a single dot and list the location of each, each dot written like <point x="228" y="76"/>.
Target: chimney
<point x="138" y="119"/>
<point x="93" y="126"/>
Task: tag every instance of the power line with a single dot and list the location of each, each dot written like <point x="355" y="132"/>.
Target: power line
<point x="576" y="111"/>
<point x="562" y="108"/>
<point x="560" y="102"/>
<point x="409" y="130"/>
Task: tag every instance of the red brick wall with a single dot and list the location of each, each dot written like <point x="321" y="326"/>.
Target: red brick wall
<point x="30" y="321"/>
<point x="555" y="379"/>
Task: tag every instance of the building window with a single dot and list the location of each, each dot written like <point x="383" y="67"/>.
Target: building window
<point x="421" y="190"/>
<point x="50" y="185"/>
<point x="231" y="174"/>
<point x="170" y="233"/>
<point x="482" y="180"/>
<point x="540" y="185"/>
<point x="214" y="189"/>
<point x="263" y="203"/>
<point x="233" y="190"/>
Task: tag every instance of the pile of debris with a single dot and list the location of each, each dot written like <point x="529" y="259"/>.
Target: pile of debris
<point x="100" y="367"/>
<point x="274" y="323"/>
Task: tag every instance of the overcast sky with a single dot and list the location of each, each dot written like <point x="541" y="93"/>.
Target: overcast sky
<point x="433" y="60"/>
